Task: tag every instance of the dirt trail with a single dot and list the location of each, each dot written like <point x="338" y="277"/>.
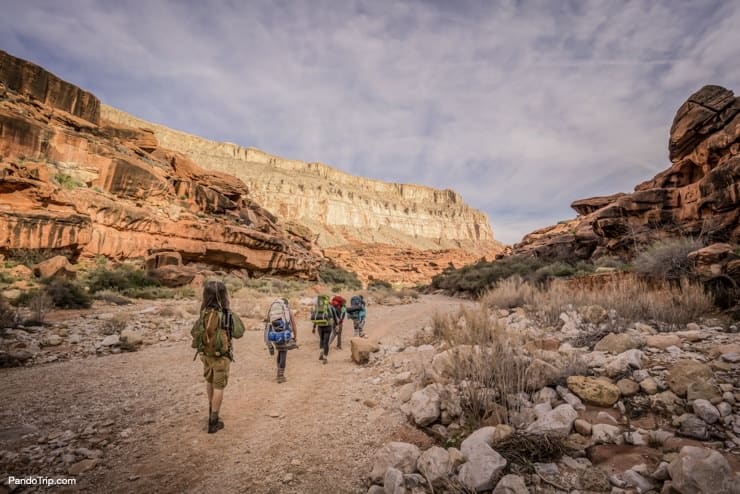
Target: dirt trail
<point x="315" y="433"/>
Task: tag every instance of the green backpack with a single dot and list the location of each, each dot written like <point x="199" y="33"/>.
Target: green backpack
<point x="213" y="330"/>
<point x="321" y="313"/>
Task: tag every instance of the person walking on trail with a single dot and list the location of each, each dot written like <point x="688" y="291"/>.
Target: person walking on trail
<point x="357" y="312"/>
<point x="212" y="334"/>
<point x="340" y="305"/>
<point x="324" y="317"/>
<point x="281" y="333"/>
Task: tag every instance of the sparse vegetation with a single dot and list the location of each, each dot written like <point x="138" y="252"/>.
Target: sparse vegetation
<point x="31" y="257"/>
<point x="523" y="450"/>
<point x="509" y="293"/>
<point x="68" y="295"/>
<point x="114" y="325"/>
<point x="112" y="297"/>
<point x="479" y="277"/>
<point x="667" y="259"/>
<point x="39" y="302"/>
<point x="379" y="285"/>
<point x="8" y="314"/>
<point x="124" y="278"/>
<point x="66" y="181"/>
<point x="335" y="275"/>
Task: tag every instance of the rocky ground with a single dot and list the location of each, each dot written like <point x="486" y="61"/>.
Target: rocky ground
<point x="123" y="421"/>
<point x="636" y="411"/>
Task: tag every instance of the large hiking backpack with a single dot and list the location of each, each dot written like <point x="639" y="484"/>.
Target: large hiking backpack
<point x="321" y="312"/>
<point x="338" y="302"/>
<point x="356" y="304"/>
<point x="278" y="328"/>
<point x="212" y="332"/>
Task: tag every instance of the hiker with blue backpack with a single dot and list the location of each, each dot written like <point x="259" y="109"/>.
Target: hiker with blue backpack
<point x="212" y="334"/>
<point x="357" y="312"/>
<point x="281" y="334"/>
<point x="324" y="317"/>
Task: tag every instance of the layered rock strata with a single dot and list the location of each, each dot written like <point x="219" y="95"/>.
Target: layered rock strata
<point x="68" y="183"/>
<point x="699" y="195"/>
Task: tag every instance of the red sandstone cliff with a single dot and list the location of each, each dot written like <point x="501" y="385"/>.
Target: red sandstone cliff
<point x="69" y="183"/>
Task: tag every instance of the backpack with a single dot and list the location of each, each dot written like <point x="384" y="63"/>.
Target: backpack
<point x="321" y="312"/>
<point x="278" y="326"/>
<point x="338" y="302"/>
<point x="212" y="332"/>
<point x="356" y="304"/>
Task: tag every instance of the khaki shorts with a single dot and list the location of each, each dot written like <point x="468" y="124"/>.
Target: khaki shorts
<point x="216" y="370"/>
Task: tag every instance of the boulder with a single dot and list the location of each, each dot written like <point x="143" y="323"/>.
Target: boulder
<point x="618" y="343"/>
<point x="706" y="411"/>
<point x="56" y="267"/>
<point x="424" y="406"/>
<point x="540" y="374"/>
<point x="557" y="422"/>
<point x="693" y="427"/>
<point x="628" y="387"/>
<point x="649" y="386"/>
<point x="703" y="390"/>
<point x="511" y="484"/>
<point x="402" y="456"/>
<point x="624" y="363"/>
<point x="701" y="471"/>
<point x="663" y="341"/>
<point x="478" y="443"/>
<point x="393" y="482"/>
<point x="606" y="434"/>
<point x="434" y="464"/>
<point x="685" y="372"/>
<point x="481" y="473"/>
<point x="361" y="349"/>
<point x="173" y="276"/>
<point x="594" y="391"/>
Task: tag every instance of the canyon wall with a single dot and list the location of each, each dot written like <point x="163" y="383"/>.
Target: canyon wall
<point x="337" y="207"/>
<point x="73" y="185"/>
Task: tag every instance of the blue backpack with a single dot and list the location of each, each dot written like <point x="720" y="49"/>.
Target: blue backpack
<point x="278" y="327"/>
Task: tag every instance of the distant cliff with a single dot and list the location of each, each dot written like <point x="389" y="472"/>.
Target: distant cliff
<point x="337" y="207"/>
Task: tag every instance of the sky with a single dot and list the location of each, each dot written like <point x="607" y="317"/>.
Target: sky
<point x="520" y="106"/>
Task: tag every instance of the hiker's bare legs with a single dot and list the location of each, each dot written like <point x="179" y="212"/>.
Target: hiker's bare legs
<point x="218" y="396"/>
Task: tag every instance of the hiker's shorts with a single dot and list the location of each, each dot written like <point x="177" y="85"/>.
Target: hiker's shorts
<point x="216" y="370"/>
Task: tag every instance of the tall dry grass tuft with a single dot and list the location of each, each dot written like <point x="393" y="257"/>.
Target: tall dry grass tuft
<point x="509" y="293"/>
<point x="631" y="298"/>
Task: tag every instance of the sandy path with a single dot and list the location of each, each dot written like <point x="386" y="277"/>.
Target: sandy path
<point x="315" y="433"/>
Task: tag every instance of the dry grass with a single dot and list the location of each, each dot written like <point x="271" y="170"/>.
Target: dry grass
<point x="632" y="299"/>
<point x="115" y="325"/>
<point x="509" y="293"/>
<point x="485" y="363"/>
<point x="523" y="450"/>
<point x="39" y="304"/>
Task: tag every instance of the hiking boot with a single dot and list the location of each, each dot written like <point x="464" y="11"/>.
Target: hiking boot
<point x="214" y="423"/>
<point x="281" y="379"/>
<point x="321" y="355"/>
<point x="326" y="359"/>
<point x="339" y="347"/>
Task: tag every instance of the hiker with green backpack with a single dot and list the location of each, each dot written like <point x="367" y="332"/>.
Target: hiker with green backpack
<point x="212" y="334"/>
<point x="324" y="317"/>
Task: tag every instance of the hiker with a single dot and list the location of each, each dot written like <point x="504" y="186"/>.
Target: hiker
<point x="340" y="305"/>
<point x="212" y="334"/>
<point x="357" y="313"/>
<point x="281" y="333"/>
<point x="324" y="318"/>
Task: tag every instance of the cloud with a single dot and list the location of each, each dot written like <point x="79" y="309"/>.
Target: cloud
<point x="521" y="106"/>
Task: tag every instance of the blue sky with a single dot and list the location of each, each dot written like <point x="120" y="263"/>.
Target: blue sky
<point x="521" y="106"/>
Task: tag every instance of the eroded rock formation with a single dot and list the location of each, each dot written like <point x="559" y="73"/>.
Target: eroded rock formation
<point x="69" y="183"/>
<point x="699" y="195"/>
<point x="372" y="227"/>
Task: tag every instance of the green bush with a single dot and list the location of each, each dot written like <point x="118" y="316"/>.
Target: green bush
<point x="123" y="278"/>
<point x="334" y="275"/>
<point x="379" y="285"/>
<point x="479" y="277"/>
<point x="66" y="181"/>
<point x="31" y="257"/>
<point x="8" y="315"/>
<point x="68" y="295"/>
<point x="667" y="259"/>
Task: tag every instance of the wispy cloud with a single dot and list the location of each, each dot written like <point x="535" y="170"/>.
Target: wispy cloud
<point x="521" y="106"/>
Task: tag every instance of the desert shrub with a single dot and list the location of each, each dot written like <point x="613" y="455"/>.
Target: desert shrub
<point x="509" y="293"/>
<point x="631" y="298"/>
<point x="160" y="292"/>
<point x="479" y="277"/>
<point x="68" y="295"/>
<point x="335" y="275"/>
<point x="66" y="181"/>
<point x="407" y="293"/>
<point x="31" y="257"/>
<point x="115" y="324"/>
<point x="123" y="278"/>
<point x="667" y="259"/>
<point x="611" y="262"/>
<point x="112" y="297"/>
<point x="523" y="450"/>
<point x="38" y="301"/>
<point x="379" y="285"/>
<point x="8" y="314"/>
<point x="6" y="278"/>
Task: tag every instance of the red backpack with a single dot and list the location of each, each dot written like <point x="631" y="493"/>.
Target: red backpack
<point x="338" y="302"/>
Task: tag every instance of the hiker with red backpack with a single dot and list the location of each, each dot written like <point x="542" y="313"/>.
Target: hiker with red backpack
<point x="340" y="305"/>
<point x="324" y="317"/>
<point x="281" y="334"/>
<point x="212" y="334"/>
